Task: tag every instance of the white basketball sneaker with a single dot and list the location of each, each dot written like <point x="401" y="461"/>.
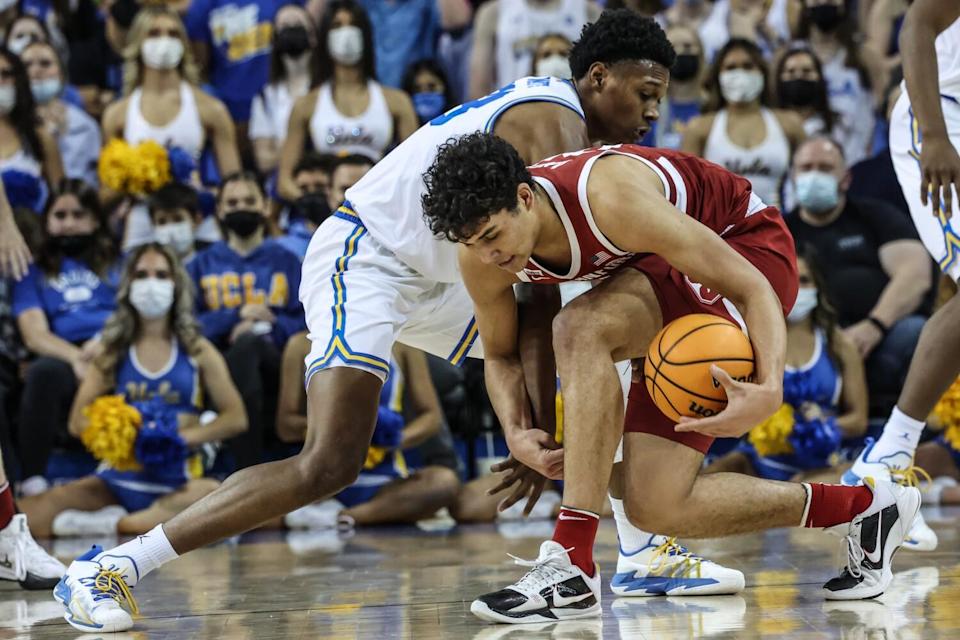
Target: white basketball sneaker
<point x="664" y="568"/>
<point x="24" y="561"/>
<point x="554" y="589"/>
<point x="73" y="522"/>
<point x="96" y="592"/>
<point x="872" y="538"/>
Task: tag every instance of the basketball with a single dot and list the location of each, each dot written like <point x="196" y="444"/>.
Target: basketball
<point x="677" y="367"/>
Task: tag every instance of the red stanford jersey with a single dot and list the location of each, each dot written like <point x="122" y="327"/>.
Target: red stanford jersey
<point x="705" y="191"/>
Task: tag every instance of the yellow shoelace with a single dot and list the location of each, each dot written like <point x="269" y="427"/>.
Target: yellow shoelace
<point x="670" y="548"/>
<point x="910" y="477"/>
<point x="111" y="584"/>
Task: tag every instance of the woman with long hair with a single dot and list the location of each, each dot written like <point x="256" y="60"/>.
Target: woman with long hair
<point x="738" y="130"/>
<point x="799" y="86"/>
<point x="24" y="145"/>
<point x="292" y="60"/>
<point x="60" y="307"/>
<point x="347" y="111"/>
<point x="152" y="352"/>
<point x="427" y="84"/>
<point x="823" y="381"/>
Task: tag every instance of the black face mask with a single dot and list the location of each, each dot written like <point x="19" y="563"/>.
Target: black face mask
<point x="313" y="207"/>
<point x="827" y="17"/>
<point x="686" y="67"/>
<point x="243" y="222"/>
<point x="292" y="41"/>
<point x="73" y="245"/>
<point x="799" y="93"/>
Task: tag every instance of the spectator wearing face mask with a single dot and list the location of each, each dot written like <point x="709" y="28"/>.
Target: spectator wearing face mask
<point x="292" y="63"/>
<point x="175" y="216"/>
<point x="24" y="146"/>
<point x="427" y="85"/>
<point x="738" y="130"/>
<point x="506" y="33"/>
<point x="60" y="307"/>
<point x="684" y="93"/>
<point x="159" y="71"/>
<point x="876" y="268"/>
<point x="347" y="111"/>
<point x="77" y="134"/>
<point x="312" y="177"/>
<point x="550" y="56"/>
<point x="247" y="304"/>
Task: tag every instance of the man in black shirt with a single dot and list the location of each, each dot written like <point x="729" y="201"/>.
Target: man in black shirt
<point x="878" y="274"/>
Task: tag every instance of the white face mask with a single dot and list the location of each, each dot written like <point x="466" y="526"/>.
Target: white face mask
<point x="556" y="65"/>
<point x="21" y="42"/>
<point x="45" y="90"/>
<point x="151" y="297"/>
<point x="162" y="52"/>
<point x="8" y="99"/>
<point x="740" y="85"/>
<point x="178" y="235"/>
<point x="346" y="44"/>
<point x="804" y="306"/>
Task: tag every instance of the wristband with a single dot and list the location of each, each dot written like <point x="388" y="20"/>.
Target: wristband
<point x="879" y="325"/>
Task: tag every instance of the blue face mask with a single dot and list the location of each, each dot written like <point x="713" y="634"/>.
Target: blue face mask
<point x="428" y="105"/>
<point x="817" y="192"/>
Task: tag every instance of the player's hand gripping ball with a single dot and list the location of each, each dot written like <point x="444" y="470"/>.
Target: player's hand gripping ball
<point x="677" y="366"/>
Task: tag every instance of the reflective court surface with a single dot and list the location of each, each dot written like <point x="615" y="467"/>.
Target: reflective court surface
<point x="412" y="583"/>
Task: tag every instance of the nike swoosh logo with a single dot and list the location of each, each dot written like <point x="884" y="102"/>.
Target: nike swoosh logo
<point x="876" y="556"/>
<point x="560" y="601"/>
<point x="566" y="517"/>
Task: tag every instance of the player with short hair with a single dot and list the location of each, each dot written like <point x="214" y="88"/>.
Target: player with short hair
<point x="669" y="234"/>
<point x="374" y="274"/>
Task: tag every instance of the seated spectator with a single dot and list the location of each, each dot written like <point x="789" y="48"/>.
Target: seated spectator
<point x="26" y="29"/>
<point x="823" y="384"/>
<point x="292" y="63"/>
<point x="854" y="81"/>
<point x="152" y="351"/>
<point x="346" y="173"/>
<point x="386" y="491"/>
<point x="505" y="34"/>
<point x="233" y="38"/>
<point x="247" y="304"/>
<point x="175" y="215"/>
<point x="427" y="85"/>
<point x="77" y="134"/>
<point x="876" y="268"/>
<point x="738" y="130"/>
<point x="61" y="306"/>
<point x="550" y="56"/>
<point x="684" y="93"/>
<point x="159" y="71"/>
<point x="347" y="111"/>
<point x="24" y="145"/>
<point x="312" y="177"/>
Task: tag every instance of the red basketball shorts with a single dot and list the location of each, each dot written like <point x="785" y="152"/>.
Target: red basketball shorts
<point x="769" y="246"/>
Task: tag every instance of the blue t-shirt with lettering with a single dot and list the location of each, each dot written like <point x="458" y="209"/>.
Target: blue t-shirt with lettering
<point x="76" y="301"/>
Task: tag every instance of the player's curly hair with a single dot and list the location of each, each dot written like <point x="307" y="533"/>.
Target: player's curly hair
<point x="471" y="178"/>
<point x="619" y="35"/>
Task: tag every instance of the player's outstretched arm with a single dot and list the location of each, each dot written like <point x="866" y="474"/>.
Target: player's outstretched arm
<point x="939" y="162"/>
<point x="495" y="306"/>
<point x="631" y="210"/>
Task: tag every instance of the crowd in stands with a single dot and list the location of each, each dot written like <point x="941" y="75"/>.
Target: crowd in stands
<point x="185" y="287"/>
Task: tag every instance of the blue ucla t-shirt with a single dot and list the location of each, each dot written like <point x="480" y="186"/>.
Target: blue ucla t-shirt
<point x="239" y="34"/>
<point x="76" y="301"/>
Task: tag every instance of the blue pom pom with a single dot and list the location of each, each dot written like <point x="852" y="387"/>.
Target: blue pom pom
<point x="389" y="431"/>
<point x="814" y="441"/>
<point x="207" y="202"/>
<point x="182" y="165"/>
<point x="23" y="189"/>
<point x="159" y="446"/>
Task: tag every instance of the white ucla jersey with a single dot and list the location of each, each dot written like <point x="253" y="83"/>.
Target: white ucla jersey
<point x="387" y="198"/>
<point x="948" y="59"/>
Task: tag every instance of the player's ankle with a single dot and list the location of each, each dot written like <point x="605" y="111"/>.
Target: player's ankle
<point x="576" y="530"/>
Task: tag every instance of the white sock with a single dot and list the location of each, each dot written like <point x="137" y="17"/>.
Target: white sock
<point x="140" y="556"/>
<point x="901" y="433"/>
<point x="631" y="538"/>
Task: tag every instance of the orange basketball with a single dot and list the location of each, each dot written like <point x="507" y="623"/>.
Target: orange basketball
<point x="677" y="368"/>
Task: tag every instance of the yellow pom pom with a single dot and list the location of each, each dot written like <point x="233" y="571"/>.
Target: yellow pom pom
<point x="150" y="169"/>
<point x="112" y="431"/>
<point x="113" y="168"/>
<point x="769" y="438"/>
<point x="947" y="413"/>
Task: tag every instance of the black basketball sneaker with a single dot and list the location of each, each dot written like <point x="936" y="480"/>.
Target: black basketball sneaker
<point x="871" y="539"/>
<point x="554" y="589"/>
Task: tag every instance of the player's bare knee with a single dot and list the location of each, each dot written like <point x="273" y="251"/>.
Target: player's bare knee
<point x="575" y="331"/>
<point x="650" y="513"/>
<point x="325" y="471"/>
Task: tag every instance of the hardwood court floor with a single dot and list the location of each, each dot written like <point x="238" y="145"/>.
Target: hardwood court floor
<point x="409" y="583"/>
